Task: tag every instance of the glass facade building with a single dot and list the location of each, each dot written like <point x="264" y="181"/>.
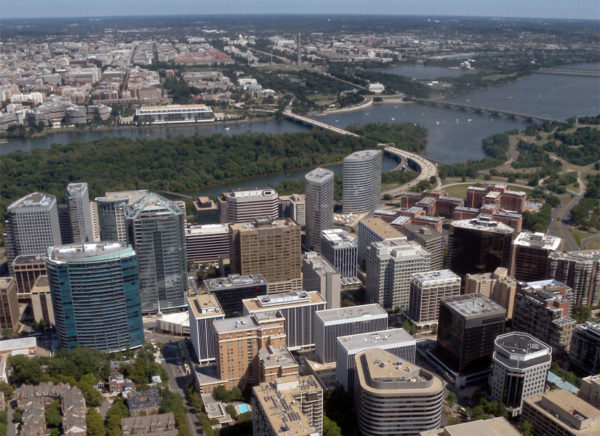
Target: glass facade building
<point x="96" y="296"/>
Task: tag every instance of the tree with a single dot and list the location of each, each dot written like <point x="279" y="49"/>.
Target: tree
<point x="16" y="416"/>
<point x="25" y="370"/>
<point x="53" y="416"/>
<point x="95" y="426"/>
<point x="451" y="399"/>
<point x="410" y="328"/>
<point x="526" y="428"/>
<point x="330" y="427"/>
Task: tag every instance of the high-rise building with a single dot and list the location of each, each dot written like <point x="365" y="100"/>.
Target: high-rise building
<point x="479" y="245"/>
<point x="111" y="213"/>
<point x="26" y="270"/>
<point x="204" y="310"/>
<point x="78" y="200"/>
<point x="319" y="206"/>
<point x="585" y="347"/>
<point x="394" y="396"/>
<point x="41" y="301"/>
<point x="396" y="341"/>
<point x="542" y="309"/>
<point x="430" y="240"/>
<point x="332" y="323"/>
<point x="31" y="227"/>
<point x="96" y="296"/>
<point x="9" y="305"/>
<point x="530" y="255"/>
<point x="95" y="220"/>
<point x="246" y="206"/>
<point x="374" y="230"/>
<point x="590" y="390"/>
<point x="340" y="248"/>
<point x="231" y="290"/>
<point x="390" y="266"/>
<point x="579" y="270"/>
<point x="498" y="286"/>
<point x="156" y="232"/>
<point x="493" y="427"/>
<point x="426" y="291"/>
<point x="298" y="309"/>
<point x="207" y="243"/>
<point x="319" y="275"/>
<point x="467" y="328"/>
<point x="290" y="406"/>
<point x="561" y="413"/>
<point x="64" y="223"/>
<point x="294" y="207"/>
<point x="206" y="211"/>
<point x="362" y="181"/>
<point x="239" y="341"/>
<point x="271" y="248"/>
<point x="520" y="366"/>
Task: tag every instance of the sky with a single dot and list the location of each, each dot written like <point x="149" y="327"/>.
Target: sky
<point x="572" y="9"/>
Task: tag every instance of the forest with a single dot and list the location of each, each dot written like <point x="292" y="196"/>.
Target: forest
<point x="407" y="136"/>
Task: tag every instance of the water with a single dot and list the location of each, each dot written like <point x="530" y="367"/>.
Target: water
<point x="419" y="71"/>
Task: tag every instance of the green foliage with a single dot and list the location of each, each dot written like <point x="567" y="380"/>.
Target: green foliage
<point x="526" y="428"/>
<point x="339" y="407"/>
<point x="410" y="328"/>
<point x="587" y="212"/>
<point x="117" y="411"/>
<point x="25" y="370"/>
<point x="590" y="120"/>
<point x="7" y="390"/>
<point x="172" y="402"/>
<point x="291" y="186"/>
<point x="538" y="221"/>
<point x="144" y="368"/>
<point x="17" y="415"/>
<point x="230" y="410"/>
<point x="567" y="376"/>
<point x="451" y="399"/>
<point x="398" y="177"/>
<point x="222" y="394"/>
<point x="582" y="314"/>
<point x="330" y="427"/>
<point x="179" y="88"/>
<point x="395" y="83"/>
<point x="580" y="147"/>
<point x="53" y="416"/>
<point x="349" y="99"/>
<point x="95" y="426"/>
<point x="406" y="136"/>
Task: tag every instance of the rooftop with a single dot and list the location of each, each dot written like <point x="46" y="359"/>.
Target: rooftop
<point x="488" y="427"/>
<point x="5" y="282"/>
<point x="282" y="300"/>
<point x="234" y="281"/>
<point x="400" y="249"/>
<point x="128" y="196"/>
<point x="521" y="350"/>
<point x="568" y="411"/>
<point x="207" y="229"/>
<point x="35" y="199"/>
<point x="471" y="305"/>
<point x="577" y="255"/>
<point x="153" y="203"/>
<point x="483" y="224"/>
<point x="13" y="344"/>
<point x="318" y="263"/>
<point x="591" y="327"/>
<point x="264" y="223"/>
<point x="381" y="339"/>
<point x="205" y="306"/>
<point x="249" y="193"/>
<point x="41" y="285"/>
<point x="383" y="229"/>
<point x="271" y="357"/>
<point x="363" y="154"/>
<point x="339" y="238"/>
<point x="538" y="240"/>
<point x="319" y="175"/>
<point x="77" y="187"/>
<point x="434" y="276"/>
<point x="352" y="313"/>
<point x="28" y="259"/>
<point x="89" y="252"/>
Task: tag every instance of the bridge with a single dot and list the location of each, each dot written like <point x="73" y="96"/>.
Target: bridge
<point x="314" y="123"/>
<point x="489" y="110"/>
<point x="565" y="72"/>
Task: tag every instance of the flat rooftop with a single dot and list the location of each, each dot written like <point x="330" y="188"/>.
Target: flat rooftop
<point x="382" y="339"/>
<point x="282" y="300"/>
<point x="352" y="313"/>
<point x="174" y="106"/>
<point x="234" y="281"/>
<point x="383" y="229"/>
<point x="521" y="350"/>
<point x="5" y="282"/>
<point x="339" y="238"/>
<point x="483" y="224"/>
<point x="77" y="187"/>
<point x="591" y="327"/>
<point x="577" y="255"/>
<point x="205" y="306"/>
<point x="28" y="259"/>
<point x="319" y="174"/>
<point x="251" y="193"/>
<point x="568" y="411"/>
<point x="129" y="196"/>
<point x="152" y="202"/>
<point x="484" y="427"/>
<point x="90" y="251"/>
<point x="13" y="344"/>
<point x="470" y="305"/>
<point x="264" y="223"/>
<point x="434" y="276"/>
<point x="271" y="357"/>
<point x="318" y="263"/>
<point x="364" y="154"/>
<point x="400" y="248"/>
<point x="537" y="240"/>
<point x="207" y="229"/>
<point x="35" y="199"/>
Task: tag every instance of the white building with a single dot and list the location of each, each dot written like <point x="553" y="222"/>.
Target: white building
<point x="319" y="206"/>
<point x="79" y="211"/>
<point x="362" y="181"/>
<point x="203" y="310"/>
<point x="175" y="113"/>
<point x="376" y="88"/>
<point x="319" y="275"/>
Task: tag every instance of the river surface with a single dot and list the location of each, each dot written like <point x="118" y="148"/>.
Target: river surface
<point x="453" y="136"/>
<point x="419" y="71"/>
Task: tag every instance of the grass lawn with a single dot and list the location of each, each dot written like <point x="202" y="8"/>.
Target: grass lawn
<point x="460" y="191"/>
<point x="579" y="235"/>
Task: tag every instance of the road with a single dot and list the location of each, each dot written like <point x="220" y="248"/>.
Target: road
<point x="427" y="170"/>
<point x="559" y="226"/>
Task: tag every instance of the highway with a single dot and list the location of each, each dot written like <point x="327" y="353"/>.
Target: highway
<point x="427" y="169"/>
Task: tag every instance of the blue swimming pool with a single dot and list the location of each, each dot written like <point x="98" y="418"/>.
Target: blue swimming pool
<point x="243" y="408"/>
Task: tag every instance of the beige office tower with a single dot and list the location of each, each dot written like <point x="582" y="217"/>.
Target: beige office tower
<point x="426" y="291"/>
<point x="483" y="427"/>
<point x="530" y="253"/>
<point x="246" y="206"/>
<point x="581" y="271"/>
<point x="497" y="286"/>
<point x="41" y="301"/>
<point x="95" y="220"/>
<point x="26" y="270"/>
<point x="9" y="305"/>
<point x="271" y="248"/>
<point x="288" y="406"/>
<point x="79" y="212"/>
<point x="319" y="275"/>
<point x="395" y="397"/>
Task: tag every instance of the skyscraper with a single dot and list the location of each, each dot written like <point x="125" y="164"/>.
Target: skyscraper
<point x="426" y="291"/>
<point x="530" y="255"/>
<point x="362" y="181"/>
<point x="341" y="250"/>
<point x="156" y="232"/>
<point x="78" y="200"/>
<point x="203" y="311"/>
<point x="579" y="270"/>
<point x="111" y="213"/>
<point x="32" y="226"/>
<point x="319" y="275"/>
<point x="319" y="206"/>
<point x="96" y="296"/>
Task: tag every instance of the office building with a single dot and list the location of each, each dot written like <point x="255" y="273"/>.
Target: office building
<point x="580" y="270"/>
<point x="430" y="240"/>
<point x="9" y="305"/>
<point x="319" y="275"/>
<point x="275" y="363"/>
<point x="294" y="207"/>
<point x="590" y="390"/>
<point x="362" y="181"/>
<point x="95" y="221"/>
<point x="205" y="211"/>
<point x="41" y="301"/>
<point x="496" y="194"/>
<point x="498" y="286"/>
<point x="467" y="328"/>
<point x="96" y="296"/>
<point x="479" y="245"/>
<point x="530" y="260"/>
<point x="271" y="248"/>
<point x="394" y="396"/>
<point x="31" y="226"/>
<point x="111" y="213"/>
<point x="246" y="206"/>
<point x="390" y="266"/>
<point x="542" y="309"/>
<point x="26" y="270"/>
<point x="207" y="243"/>
<point x="156" y="233"/>
<point x="520" y="366"/>
<point x="290" y="406"/>
<point x="78" y="200"/>
<point x="174" y="113"/>
<point x="395" y="341"/>
<point x="340" y="249"/>
<point x="64" y="223"/>
<point x="319" y="206"/>
<point x="231" y="290"/>
<point x="298" y="309"/>
<point x="333" y="323"/>
<point x="238" y="342"/>
<point x="488" y="427"/>
<point x="585" y="347"/>
<point x="426" y="291"/>
<point x="203" y="311"/>
<point x="560" y="413"/>
<point x="374" y="230"/>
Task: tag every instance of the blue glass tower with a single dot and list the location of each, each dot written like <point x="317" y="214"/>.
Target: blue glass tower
<point x="96" y="296"/>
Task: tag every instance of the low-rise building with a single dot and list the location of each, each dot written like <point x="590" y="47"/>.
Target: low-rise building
<point x="274" y="363"/>
<point x="151" y="425"/>
<point x="144" y="402"/>
<point x="175" y="113"/>
<point x="26" y="346"/>
<point x="488" y="427"/>
<point x="590" y="390"/>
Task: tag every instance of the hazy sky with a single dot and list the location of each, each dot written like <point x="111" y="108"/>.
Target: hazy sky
<point x="498" y="8"/>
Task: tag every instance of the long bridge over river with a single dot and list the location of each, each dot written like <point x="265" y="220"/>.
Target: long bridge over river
<point x="482" y="109"/>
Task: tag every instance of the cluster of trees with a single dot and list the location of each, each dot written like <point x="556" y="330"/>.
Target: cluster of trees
<point x="538" y="222"/>
<point x="567" y="376"/>
<point x="340" y="413"/>
<point x="172" y="402"/>
<point x="349" y="99"/>
<point x="582" y="314"/>
<point x="180" y="90"/>
<point x="117" y="411"/>
<point x="581" y="147"/>
<point x="533" y="155"/>
<point x="181" y="164"/>
<point x="144" y="367"/>
<point x="587" y="212"/>
<point x="407" y="136"/>
<point x="590" y="120"/>
<point x="558" y="183"/>
<point x="398" y="177"/>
